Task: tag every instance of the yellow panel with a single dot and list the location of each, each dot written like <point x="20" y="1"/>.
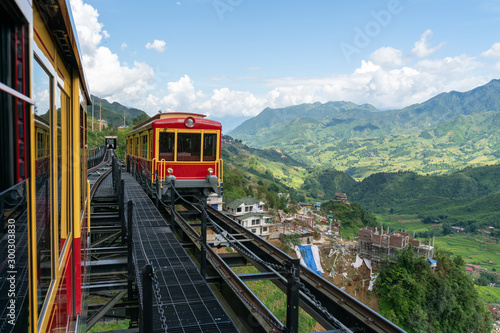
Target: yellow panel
<point x="64" y="169"/>
<point x="75" y="153"/>
<point x="54" y="201"/>
<point x="42" y="37"/>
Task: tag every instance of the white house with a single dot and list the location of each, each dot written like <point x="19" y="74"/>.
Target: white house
<point x="244" y="205"/>
<point x="215" y="201"/>
<point x="258" y="223"/>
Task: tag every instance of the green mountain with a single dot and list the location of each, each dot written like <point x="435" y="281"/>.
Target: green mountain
<point x="448" y="132"/>
<point x="113" y="112"/>
<point x="465" y="197"/>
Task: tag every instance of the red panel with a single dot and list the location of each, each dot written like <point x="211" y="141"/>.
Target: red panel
<point x="188" y="171"/>
<point x="78" y="278"/>
<point x="178" y="123"/>
<point x="69" y="296"/>
<point x="20" y="121"/>
<point x="63" y="297"/>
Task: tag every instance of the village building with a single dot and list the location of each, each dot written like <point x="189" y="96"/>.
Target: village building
<point x="244" y="205"/>
<point x="258" y="223"/>
<point x="249" y="212"/>
<point x="494" y="311"/>
<point x="341" y="198"/>
<point x="104" y="123"/>
<point x="215" y="201"/>
<point x="305" y="237"/>
<point x="377" y="246"/>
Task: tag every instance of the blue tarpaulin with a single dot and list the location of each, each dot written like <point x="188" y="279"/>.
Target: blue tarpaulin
<point x="308" y="258"/>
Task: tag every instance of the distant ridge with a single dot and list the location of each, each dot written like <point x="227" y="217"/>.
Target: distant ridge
<point x="448" y="132"/>
<point x="113" y="112"/>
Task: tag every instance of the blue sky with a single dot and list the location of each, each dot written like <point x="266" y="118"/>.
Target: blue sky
<point x="230" y="59"/>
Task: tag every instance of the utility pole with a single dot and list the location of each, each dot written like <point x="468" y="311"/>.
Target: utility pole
<point x="92" y="113"/>
<point x="123" y="118"/>
<point x="100" y="112"/>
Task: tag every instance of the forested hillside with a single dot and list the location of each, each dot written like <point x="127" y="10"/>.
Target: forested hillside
<point x="114" y="113"/>
<point x="446" y="133"/>
<point x="463" y="197"/>
<point x="415" y="297"/>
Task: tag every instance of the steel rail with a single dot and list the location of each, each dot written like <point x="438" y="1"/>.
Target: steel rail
<point x="265" y="317"/>
<point x="343" y="306"/>
<point x="95" y="186"/>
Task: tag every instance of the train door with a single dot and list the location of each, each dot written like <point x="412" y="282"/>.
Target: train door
<point x="15" y="105"/>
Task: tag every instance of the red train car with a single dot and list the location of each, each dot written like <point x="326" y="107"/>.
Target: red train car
<point x="183" y="147"/>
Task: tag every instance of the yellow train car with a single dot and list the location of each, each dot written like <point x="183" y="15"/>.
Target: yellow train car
<point x="43" y="178"/>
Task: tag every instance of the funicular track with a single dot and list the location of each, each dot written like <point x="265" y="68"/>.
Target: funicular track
<point x="334" y="309"/>
<point x="139" y="270"/>
<point x="266" y="319"/>
<point x="107" y="280"/>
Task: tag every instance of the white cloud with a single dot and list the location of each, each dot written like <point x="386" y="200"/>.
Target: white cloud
<point x="106" y="76"/>
<point x="388" y="56"/>
<point x="90" y="32"/>
<point x="493" y="52"/>
<point x="217" y="78"/>
<point x="231" y="102"/>
<point x="124" y="46"/>
<point x="421" y="49"/>
<point x="178" y="3"/>
<point x="181" y="95"/>
<point x="388" y="86"/>
<point x="387" y="79"/>
<point x="158" y="45"/>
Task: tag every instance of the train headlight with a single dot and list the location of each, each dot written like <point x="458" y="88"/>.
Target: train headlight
<point x="189" y="122"/>
<point x="170" y="171"/>
<point x="210" y="171"/>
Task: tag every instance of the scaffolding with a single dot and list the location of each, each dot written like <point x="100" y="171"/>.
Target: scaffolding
<point x="376" y="246"/>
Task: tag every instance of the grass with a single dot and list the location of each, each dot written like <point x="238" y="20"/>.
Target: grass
<point x="409" y="223"/>
<point x="110" y="326"/>
<point x="474" y="249"/>
<point x="274" y="299"/>
<point x="489" y="294"/>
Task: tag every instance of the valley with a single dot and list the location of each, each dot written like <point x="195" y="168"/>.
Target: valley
<point x="438" y="182"/>
<point x="446" y="133"/>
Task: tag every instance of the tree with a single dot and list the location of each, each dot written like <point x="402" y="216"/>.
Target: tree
<point x="447" y="229"/>
<point x="421" y="300"/>
<point x="140" y="119"/>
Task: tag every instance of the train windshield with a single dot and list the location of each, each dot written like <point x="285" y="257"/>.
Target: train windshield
<point x="188" y="146"/>
<point x="166" y="146"/>
<point x="209" y="147"/>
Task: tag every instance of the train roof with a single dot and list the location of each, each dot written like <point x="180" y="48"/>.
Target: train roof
<point x="163" y="117"/>
<point x="59" y="22"/>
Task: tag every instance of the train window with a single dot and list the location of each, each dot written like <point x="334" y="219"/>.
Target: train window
<point x="136" y="147"/>
<point x="209" y="147"/>
<point x="166" y="146"/>
<point x="188" y="146"/>
<point x="144" y="147"/>
<point x="150" y="157"/>
<point x="14" y="73"/>
<point x="43" y="90"/>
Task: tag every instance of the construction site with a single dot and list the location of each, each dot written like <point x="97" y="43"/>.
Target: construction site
<point x="376" y="246"/>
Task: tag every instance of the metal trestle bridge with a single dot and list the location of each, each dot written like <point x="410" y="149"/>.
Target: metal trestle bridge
<point x="153" y="265"/>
